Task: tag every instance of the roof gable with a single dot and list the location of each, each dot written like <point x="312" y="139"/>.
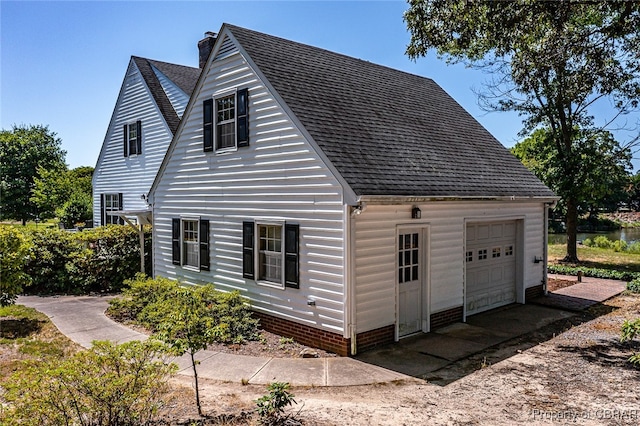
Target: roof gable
<point x="387" y="132"/>
<point x="184" y="77"/>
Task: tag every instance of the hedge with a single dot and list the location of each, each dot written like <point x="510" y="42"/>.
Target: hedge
<point x="93" y="260"/>
<point x="611" y="274"/>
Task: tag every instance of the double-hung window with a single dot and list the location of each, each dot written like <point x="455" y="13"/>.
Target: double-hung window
<point x="270" y="253"/>
<point x="226" y="121"/>
<point x="110" y="204"/>
<point x="190" y="248"/>
<point x="132" y="138"/>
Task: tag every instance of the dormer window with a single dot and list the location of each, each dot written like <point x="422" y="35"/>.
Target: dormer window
<point x="226" y="121"/>
<point x="132" y="138"/>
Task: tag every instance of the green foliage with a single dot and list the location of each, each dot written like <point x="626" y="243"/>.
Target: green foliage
<point x="53" y="188"/>
<point x="110" y="385"/>
<point x="551" y="62"/>
<point x="50" y="252"/>
<point x="271" y="407"/>
<point x="24" y="151"/>
<point x="187" y="319"/>
<point x="630" y="329"/>
<point x="634" y="285"/>
<point x="78" y="209"/>
<point x="14" y="254"/>
<point x="138" y="299"/>
<point x="618" y="246"/>
<point x="111" y="255"/>
<point x="99" y="259"/>
<point x="593" y="272"/>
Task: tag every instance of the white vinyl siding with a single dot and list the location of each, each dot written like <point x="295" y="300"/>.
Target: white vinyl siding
<point x="375" y="256"/>
<point x="176" y="96"/>
<point x="278" y="178"/>
<point x="131" y="175"/>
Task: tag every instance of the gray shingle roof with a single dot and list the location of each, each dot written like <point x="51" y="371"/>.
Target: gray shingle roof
<point x="387" y="132"/>
<point x="184" y="77"/>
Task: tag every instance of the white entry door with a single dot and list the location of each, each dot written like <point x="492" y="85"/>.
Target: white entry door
<point x="410" y="279"/>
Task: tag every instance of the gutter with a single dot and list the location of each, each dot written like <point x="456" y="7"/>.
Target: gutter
<point x="411" y="199"/>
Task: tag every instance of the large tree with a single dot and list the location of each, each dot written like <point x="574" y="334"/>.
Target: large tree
<point x="24" y="150"/>
<point x="603" y="176"/>
<point x="550" y="61"/>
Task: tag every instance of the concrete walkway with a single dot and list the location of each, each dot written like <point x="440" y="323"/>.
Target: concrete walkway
<point x="82" y="319"/>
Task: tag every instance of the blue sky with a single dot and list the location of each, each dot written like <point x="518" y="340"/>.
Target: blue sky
<point x="62" y="62"/>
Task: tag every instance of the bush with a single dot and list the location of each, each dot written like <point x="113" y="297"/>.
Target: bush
<point x="99" y="259"/>
<point x="50" y="251"/>
<point x="14" y="255"/>
<point x="634" y="286"/>
<point x="611" y="274"/>
<point x="139" y="296"/>
<point x="271" y="407"/>
<point x="77" y="209"/>
<point x="106" y="385"/>
<point x="630" y="329"/>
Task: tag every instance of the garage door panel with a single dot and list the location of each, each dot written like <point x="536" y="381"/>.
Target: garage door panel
<point x="490" y="266"/>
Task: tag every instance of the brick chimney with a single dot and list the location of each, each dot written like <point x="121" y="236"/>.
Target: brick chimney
<point x="205" y="46"/>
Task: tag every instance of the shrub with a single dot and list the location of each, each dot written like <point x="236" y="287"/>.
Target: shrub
<point x="139" y="297"/>
<point x="271" y="407"/>
<point x="634" y="247"/>
<point x="588" y="242"/>
<point x="106" y="385"/>
<point x="611" y="274"/>
<point x="77" y="209"/>
<point x="602" y="242"/>
<point x="111" y="255"/>
<point x="50" y="252"/>
<point x="634" y="286"/>
<point x="14" y="255"/>
<point x="630" y="329"/>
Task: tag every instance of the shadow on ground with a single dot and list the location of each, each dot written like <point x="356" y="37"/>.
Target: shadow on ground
<point x="448" y="354"/>
<point x="18" y="328"/>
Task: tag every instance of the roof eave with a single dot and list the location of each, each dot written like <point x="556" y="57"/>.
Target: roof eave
<point x="411" y="199"/>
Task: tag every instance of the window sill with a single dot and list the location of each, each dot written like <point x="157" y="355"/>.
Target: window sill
<point x="226" y="150"/>
<point x="191" y="268"/>
<point x="277" y="286"/>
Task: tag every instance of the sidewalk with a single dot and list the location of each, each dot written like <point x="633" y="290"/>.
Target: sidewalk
<point x="82" y="319"/>
<point x="581" y="295"/>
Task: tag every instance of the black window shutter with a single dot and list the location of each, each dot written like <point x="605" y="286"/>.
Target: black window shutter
<point x="102" y="211"/>
<point x="242" y="117"/>
<point x="248" y="243"/>
<point x="291" y="256"/>
<point x="204" y="244"/>
<point x="120" y="207"/>
<point x="126" y="140"/>
<point x="207" y="125"/>
<point x="175" y="241"/>
<point x="138" y="137"/>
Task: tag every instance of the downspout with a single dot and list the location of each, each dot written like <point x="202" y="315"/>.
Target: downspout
<point x="545" y="250"/>
<point x="350" y="277"/>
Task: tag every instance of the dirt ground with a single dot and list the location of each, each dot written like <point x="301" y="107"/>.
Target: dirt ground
<point x="573" y="372"/>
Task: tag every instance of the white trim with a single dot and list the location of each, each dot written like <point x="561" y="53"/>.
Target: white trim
<point x="256" y="234"/>
<point x="216" y="97"/>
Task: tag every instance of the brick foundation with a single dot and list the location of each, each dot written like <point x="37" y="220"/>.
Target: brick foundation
<point x="372" y="338"/>
<point x="440" y="319"/>
<point x="533" y="292"/>
<point x="306" y="335"/>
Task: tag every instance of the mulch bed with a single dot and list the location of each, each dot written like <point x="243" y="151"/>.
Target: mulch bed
<point x="557" y="284"/>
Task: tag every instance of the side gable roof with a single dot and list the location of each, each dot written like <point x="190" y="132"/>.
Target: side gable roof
<point x="184" y="77"/>
<point x="387" y="132"/>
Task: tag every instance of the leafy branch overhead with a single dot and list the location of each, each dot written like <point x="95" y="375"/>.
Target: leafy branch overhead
<point x="554" y="63"/>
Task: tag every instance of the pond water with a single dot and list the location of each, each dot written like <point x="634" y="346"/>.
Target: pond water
<point x="628" y="235"/>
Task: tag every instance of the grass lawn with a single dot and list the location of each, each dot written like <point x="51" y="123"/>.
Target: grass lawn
<point x="593" y="257"/>
<point x="26" y="334"/>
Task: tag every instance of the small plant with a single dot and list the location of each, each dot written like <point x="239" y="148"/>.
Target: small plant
<point x="630" y="329"/>
<point x="284" y="341"/>
<point x="271" y="407"/>
<point x="106" y="385"/>
<point x="634" y="286"/>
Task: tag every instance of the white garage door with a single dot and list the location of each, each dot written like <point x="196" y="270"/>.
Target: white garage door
<point x="490" y="265"/>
